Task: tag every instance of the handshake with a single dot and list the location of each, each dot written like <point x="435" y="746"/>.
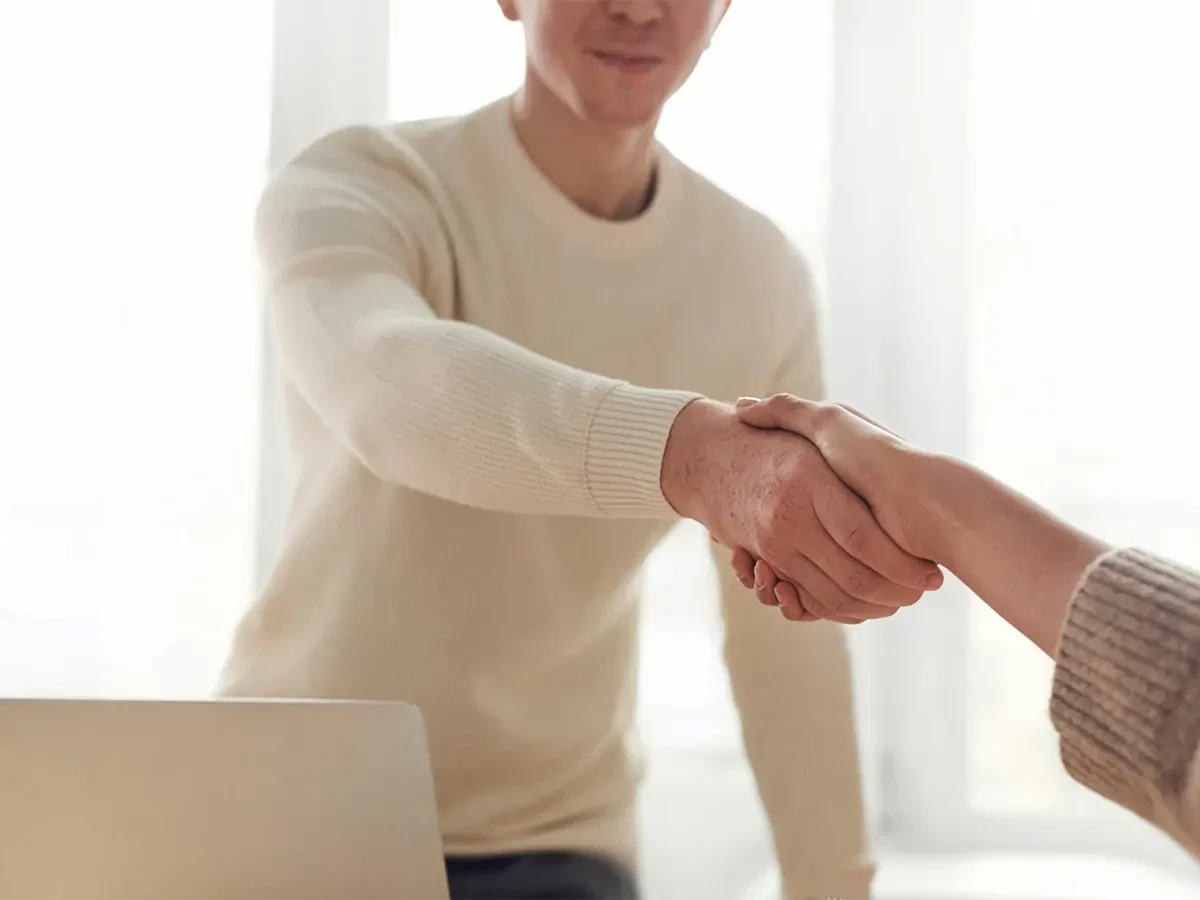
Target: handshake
<point x="828" y="514"/>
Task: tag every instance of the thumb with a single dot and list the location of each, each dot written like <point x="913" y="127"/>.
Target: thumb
<point x="781" y="411"/>
<point x="754" y="411"/>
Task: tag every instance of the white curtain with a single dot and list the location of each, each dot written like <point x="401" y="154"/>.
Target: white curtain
<point x="135" y="145"/>
<point x="1013" y="279"/>
<point x="1085" y="310"/>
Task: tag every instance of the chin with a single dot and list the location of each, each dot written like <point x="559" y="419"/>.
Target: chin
<point x="623" y="114"/>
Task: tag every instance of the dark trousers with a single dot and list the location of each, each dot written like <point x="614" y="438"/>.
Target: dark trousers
<point x="539" y="876"/>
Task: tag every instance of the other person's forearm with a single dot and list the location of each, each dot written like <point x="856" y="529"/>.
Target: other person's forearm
<point x="1016" y="556"/>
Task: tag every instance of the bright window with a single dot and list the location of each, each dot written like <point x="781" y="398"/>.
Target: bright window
<point x="136" y="145"/>
<point x="1086" y="308"/>
<point x="1034" y="276"/>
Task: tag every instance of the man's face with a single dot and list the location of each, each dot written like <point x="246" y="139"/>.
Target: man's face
<point x="615" y="62"/>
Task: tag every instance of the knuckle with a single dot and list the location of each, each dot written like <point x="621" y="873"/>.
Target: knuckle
<point x="863" y="584"/>
<point x="835" y="605"/>
<point x="771" y="545"/>
<point x="825" y="414"/>
<point x="805" y="477"/>
<point x="857" y="540"/>
<point x="780" y="515"/>
<point x="815" y="605"/>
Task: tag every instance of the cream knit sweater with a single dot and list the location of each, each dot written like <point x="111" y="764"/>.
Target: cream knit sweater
<point x="480" y="380"/>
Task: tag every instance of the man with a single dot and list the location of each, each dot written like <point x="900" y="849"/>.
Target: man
<point x="498" y="335"/>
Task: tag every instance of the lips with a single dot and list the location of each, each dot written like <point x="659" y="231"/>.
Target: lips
<point x="627" y="61"/>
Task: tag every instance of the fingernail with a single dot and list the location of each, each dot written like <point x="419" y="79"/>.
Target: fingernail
<point x="743" y="402"/>
<point x="760" y="576"/>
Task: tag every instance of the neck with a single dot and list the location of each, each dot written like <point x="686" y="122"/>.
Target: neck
<point x="605" y="170"/>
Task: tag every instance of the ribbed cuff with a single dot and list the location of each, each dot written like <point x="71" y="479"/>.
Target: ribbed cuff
<point x="626" y="441"/>
<point x="1126" y="699"/>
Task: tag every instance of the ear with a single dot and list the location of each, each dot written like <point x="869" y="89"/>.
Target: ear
<point x="509" y="8"/>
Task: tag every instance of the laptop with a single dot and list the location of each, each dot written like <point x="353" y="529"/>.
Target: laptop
<point x="221" y="800"/>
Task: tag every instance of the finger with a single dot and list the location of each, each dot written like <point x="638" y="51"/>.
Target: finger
<point x="826" y="600"/>
<point x="764" y="583"/>
<point x="870" y="557"/>
<point x="790" y="605"/>
<point x="781" y="411"/>
<point x="743" y="567"/>
<point x="851" y="577"/>
<point x="784" y="595"/>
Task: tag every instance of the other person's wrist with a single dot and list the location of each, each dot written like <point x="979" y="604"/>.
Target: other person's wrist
<point x="945" y="494"/>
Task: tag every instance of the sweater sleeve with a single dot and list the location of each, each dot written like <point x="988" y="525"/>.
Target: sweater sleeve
<point x="1126" y="697"/>
<point x="347" y="233"/>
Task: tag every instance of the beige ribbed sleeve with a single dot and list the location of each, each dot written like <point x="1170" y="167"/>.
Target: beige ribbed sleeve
<point x="441" y="406"/>
<point x="1126" y="699"/>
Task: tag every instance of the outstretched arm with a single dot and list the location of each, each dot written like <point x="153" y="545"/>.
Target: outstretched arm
<point x="360" y="268"/>
<point x="353" y="249"/>
<point x="1123" y="625"/>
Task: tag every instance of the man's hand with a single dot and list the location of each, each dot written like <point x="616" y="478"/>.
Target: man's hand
<point x="872" y="460"/>
<point x="773" y="494"/>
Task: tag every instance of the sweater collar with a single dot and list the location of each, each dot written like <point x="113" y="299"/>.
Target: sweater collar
<point x="527" y="184"/>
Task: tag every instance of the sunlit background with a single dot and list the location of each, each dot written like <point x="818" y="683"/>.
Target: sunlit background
<point x="131" y="363"/>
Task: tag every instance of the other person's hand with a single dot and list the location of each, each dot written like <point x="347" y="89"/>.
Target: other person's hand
<point x="773" y="494"/>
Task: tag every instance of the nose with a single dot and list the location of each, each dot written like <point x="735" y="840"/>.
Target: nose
<point x="636" y="12"/>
